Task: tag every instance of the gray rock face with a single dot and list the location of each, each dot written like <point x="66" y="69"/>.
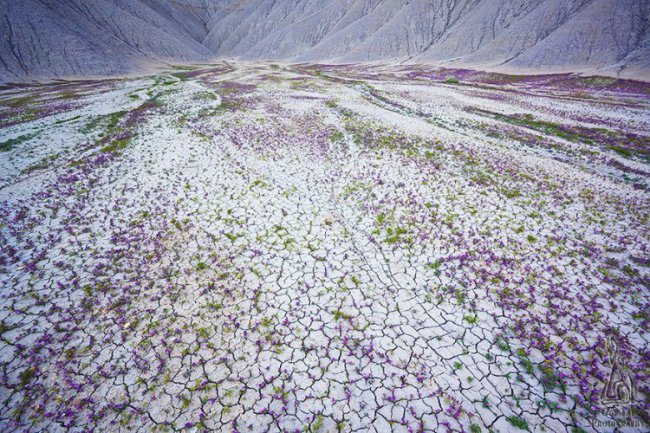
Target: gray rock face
<point x="66" y="38"/>
<point x="69" y="38"/>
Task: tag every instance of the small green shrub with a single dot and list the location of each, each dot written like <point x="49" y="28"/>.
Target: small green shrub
<point x="520" y="423"/>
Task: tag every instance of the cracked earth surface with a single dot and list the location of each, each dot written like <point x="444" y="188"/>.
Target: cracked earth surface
<point x="255" y="248"/>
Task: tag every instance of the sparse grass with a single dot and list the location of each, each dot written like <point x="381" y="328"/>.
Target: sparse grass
<point x="331" y="103"/>
<point x="394" y="235"/>
<point x="203" y="333"/>
<point x="511" y="193"/>
<point x="214" y="305"/>
<point x="204" y="96"/>
<point x="528" y="365"/>
<point x="233" y="237"/>
<point x="116" y="146"/>
<point x="622" y="151"/>
<point x="336" y="136"/>
<point x="71" y="119"/>
<point x="550" y="379"/>
<point x="317" y="425"/>
<point x="20" y="101"/>
<point x="8" y="145"/>
<point x="183" y="76"/>
<point x="26" y="376"/>
<point x="517" y="422"/>
<point x="340" y="315"/>
<point x="110" y="121"/>
<point x="502" y="345"/>
<point x="4" y="327"/>
<point x="115" y="118"/>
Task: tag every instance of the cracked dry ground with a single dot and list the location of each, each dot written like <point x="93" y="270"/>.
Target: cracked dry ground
<point x="254" y="248"/>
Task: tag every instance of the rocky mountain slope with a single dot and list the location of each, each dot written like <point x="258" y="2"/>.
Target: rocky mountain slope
<point x="64" y="38"/>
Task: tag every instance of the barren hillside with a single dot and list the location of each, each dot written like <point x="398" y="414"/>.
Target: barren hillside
<point x="79" y="38"/>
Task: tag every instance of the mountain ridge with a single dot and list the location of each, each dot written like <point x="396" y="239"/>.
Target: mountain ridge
<point x="49" y="39"/>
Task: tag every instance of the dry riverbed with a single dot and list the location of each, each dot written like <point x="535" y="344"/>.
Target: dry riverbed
<point x="264" y="248"/>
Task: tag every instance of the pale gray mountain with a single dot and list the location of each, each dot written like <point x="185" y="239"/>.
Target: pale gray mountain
<point x="67" y="38"/>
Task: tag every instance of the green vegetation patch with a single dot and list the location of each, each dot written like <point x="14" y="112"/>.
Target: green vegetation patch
<point x="517" y="422"/>
<point x="7" y="145"/>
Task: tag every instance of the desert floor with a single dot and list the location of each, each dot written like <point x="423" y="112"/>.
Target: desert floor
<point x="266" y="248"/>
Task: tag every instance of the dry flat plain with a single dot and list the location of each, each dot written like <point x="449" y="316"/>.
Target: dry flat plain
<point x="264" y="248"/>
